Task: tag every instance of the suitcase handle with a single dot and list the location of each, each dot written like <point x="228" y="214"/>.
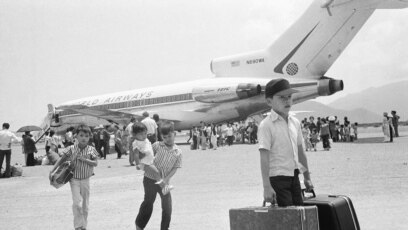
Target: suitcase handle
<point x="304" y="191"/>
<point x="272" y="205"/>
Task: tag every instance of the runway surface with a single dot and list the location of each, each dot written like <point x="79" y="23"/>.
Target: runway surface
<point x="374" y="174"/>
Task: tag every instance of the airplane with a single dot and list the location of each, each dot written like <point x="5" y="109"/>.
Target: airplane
<point x="302" y="55"/>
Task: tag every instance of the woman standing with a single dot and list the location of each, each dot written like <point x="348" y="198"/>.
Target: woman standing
<point x="386" y="127"/>
<point x="213" y="136"/>
<point x="29" y="149"/>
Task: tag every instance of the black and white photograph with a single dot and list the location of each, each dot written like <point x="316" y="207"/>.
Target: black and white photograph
<point x="193" y="115"/>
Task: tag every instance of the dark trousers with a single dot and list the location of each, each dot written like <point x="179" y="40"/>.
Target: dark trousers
<point x="288" y="190"/>
<point x="30" y="160"/>
<point x="146" y="208"/>
<point x="118" y="150"/>
<point x="195" y="143"/>
<point x="6" y="153"/>
<point x="230" y="140"/>
<point x="152" y="138"/>
<point x="391" y="133"/>
<point x="105" y="146"/>
<point x="396" y="130"/>
<point x="325" y="140"/>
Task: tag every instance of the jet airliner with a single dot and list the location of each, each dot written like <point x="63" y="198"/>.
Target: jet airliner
<point x="302" y="55"/>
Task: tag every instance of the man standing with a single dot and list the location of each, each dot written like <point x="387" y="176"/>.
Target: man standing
<point x="156" y="118"/>
<point x="280" y="145"/>
<point x="130" y="139"/>
<point x="151" y="127"/>
<point x="6" y="138"/>
<point x="395" y="119"/>
<point x="104" y="138"/>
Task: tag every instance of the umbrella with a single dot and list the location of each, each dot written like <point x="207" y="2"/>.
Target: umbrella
<point x="29" y="128"/>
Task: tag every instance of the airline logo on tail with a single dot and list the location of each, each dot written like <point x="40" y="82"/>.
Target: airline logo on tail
<point x="292" y="68"/>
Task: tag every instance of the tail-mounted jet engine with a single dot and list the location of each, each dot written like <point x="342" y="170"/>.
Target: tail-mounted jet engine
<point x="216" y="94"/>
<point x="328" y="86"/>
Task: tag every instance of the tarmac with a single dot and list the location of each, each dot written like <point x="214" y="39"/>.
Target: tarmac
<point x="372" y="173"/>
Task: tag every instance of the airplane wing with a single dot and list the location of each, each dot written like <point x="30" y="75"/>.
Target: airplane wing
<point x="109" y="115"/>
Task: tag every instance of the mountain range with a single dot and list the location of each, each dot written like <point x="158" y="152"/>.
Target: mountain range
<point x="366" y="106"/>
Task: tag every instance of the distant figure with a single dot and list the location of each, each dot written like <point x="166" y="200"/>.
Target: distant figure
<point x="312" y="125"/>
<point x="156" y="118"/>
<point x="318" y="125"/>
<point x="325" y="134"/>
<point x="47" y="141"/>
<point x="306" y="137"/>
<point x="29" y="149"/>
<point x="151" y="127"/>
<point x="213" y="136"/>
<point x="118" y="141"/>
<point x="125" y="137"/>
<point x="355" y="128"/>
<point x="6" y="138"/>
<point x="314" y="139"/>
<point x="386" y="127"/>
<point x="333" y="130"/>
<point x="104" y="138"/>
<point x="195" y="134"/>
<point x="395" y="119"/>
<point x="230" y="134"/>
<point x="53" y="141"/>
<point x="130" y="141"/>
<point x="203" y="136"/>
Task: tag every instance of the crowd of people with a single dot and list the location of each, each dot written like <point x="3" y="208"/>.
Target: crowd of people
<point x="325" y="129"/>
<point x="150" y="145"/>
<point x="212" y="136"/>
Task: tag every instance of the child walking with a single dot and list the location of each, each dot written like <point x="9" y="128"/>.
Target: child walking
<point x="314" y="138"/>
<point x="167" y="160"/>
<point x="84" y="158"/>
<point x="143" y="151"/>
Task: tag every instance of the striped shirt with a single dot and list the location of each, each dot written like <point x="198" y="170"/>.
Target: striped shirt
<point x="82" y="169"/>
<point x="165" y="159"/>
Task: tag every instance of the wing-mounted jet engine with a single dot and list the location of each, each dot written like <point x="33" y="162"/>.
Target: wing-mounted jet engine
<point x="216" y="94"/>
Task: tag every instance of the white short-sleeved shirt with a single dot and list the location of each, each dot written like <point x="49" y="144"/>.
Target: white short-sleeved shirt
<point x="150" y="124"/>
<point x="281" y="138"/>
<point x="230" y="131"/>
<point x="145" y="147"/>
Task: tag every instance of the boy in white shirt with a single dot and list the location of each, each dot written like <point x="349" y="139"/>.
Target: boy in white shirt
<point x="144" y="155"/>
<point x="281" y="148"/>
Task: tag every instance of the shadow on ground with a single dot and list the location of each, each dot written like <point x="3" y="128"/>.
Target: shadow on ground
<point x="369" y="140"/>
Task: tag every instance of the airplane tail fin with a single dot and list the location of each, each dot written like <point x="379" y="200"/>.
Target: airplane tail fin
<point x="311" y="45"/>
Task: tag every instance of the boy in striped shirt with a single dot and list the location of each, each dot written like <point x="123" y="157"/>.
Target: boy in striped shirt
<point x="84" y="157"/>
<point x="167" y="160"/>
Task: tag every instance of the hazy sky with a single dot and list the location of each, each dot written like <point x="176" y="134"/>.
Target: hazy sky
<point x="54" y="51"/>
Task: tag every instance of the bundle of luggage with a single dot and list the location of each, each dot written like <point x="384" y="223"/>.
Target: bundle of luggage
<point x="16" y="170"/>
<point x="62" y="174"/>
<point x="325" y="212"/>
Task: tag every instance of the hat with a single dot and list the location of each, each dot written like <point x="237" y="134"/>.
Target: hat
<point x="280" y="87"/>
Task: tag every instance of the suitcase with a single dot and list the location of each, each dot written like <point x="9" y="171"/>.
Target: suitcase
<point x="336" y="212"/>
<point x="274" y="218"/>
